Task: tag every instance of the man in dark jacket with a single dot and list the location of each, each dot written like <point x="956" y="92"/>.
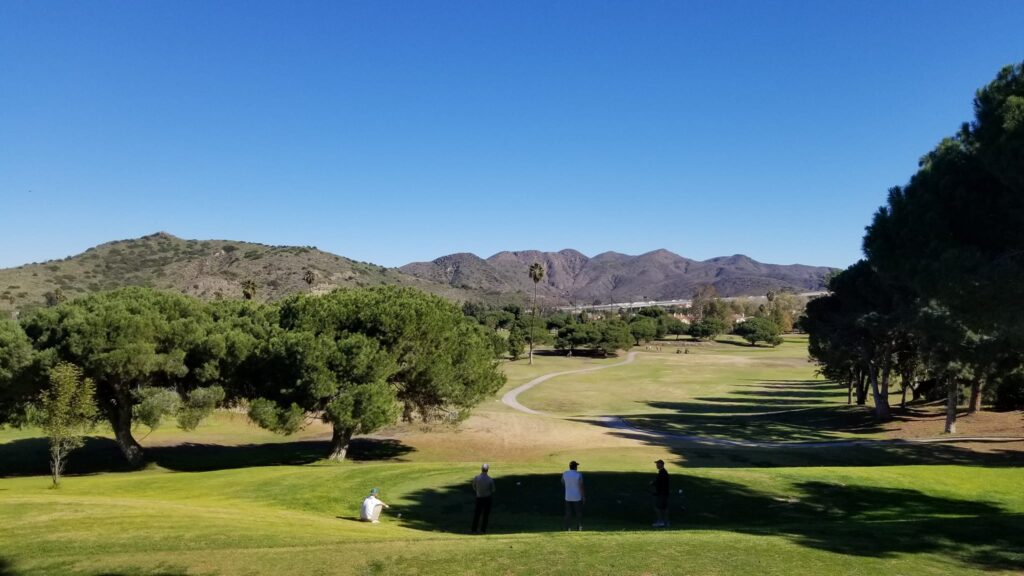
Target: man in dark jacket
<point x="660" y="491"/>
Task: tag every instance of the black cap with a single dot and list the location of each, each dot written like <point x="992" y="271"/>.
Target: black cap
<point x="659" y="461"/>
<point x="573" y="464"/>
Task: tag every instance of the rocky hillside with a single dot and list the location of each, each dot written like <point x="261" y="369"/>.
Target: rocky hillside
<point x="203" y="268"/>
<point x="657" y="275"/>
<point x="218" y="269"/>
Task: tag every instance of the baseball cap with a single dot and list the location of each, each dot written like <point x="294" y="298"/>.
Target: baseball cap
<point x="486" y="466"/>
<point x="573" y="463"/>
<point x="659" y="461"/>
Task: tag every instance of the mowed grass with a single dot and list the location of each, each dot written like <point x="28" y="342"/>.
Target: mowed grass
<point x="724" y="389"/>
<point x="300" y="519"/>
<point x="232" y="499"/>
<point x="714" y="378"/>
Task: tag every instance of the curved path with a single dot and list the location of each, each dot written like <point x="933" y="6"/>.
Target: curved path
<point x="510" y="399"/>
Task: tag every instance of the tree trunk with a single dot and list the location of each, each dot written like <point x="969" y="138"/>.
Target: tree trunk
<point x="56" y="464"/>
<point x="903" y="398"/>
<point x="951" y="400"/>
<point x="975" y="404"/>
<point x="340" y="439"/>
<point x="880" y="399"/>
<point x="862" y="388"/>
<point x="533" y="322"/>
<point x="849" y="391"/>
<point x="121" y="422"/>
<point x="886" y="376"/>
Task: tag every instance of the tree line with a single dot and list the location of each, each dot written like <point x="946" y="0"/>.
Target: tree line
<point x="606" y="333"/>
<point x="356" y="359"/>
<point x="925" y="306"/>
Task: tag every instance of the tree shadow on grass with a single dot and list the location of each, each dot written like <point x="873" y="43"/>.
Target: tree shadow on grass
<point x="7" y="567"/>
<point x="821" y="394"/>
<point x="853" y="520"/>
<point x="700" y="454"/>
<point x="156" y="572"/>
<point x="736" y="405"/>
<point x="765" y="396"/>
<point x="787" y="382"/>
<point x="578" y="353"/>
<point x="29" y="457"/>
<point x="743" y="422"/>
<point x="162" y="569"/>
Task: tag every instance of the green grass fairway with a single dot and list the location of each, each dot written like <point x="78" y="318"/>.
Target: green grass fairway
<point x="717" y="378"/>
<point x="725" y="389"/>
<point x="230" y="499"/>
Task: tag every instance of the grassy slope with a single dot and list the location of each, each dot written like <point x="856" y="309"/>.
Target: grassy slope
<point x="748" y="511"/>
<point x="915" y="520"/>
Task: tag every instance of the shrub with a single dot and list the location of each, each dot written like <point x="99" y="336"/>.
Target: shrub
<point x="1009" y="393"/>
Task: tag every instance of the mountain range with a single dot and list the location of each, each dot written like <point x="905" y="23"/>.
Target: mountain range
<point x="217" y="268"/>
<point x="571" y="276"/>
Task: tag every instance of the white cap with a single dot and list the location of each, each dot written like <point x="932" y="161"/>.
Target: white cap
<point x="486" y="466"/>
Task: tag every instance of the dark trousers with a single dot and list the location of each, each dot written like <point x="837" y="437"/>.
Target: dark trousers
<point x="573" y="510"/>
<point x="481" y="513"/>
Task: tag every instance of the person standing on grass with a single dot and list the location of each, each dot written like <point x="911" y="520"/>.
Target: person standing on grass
<point x="572" y="480"/>
<point x="483" y="487"/>
<point x="372" y="505"/>
<point x="660" y="491"/>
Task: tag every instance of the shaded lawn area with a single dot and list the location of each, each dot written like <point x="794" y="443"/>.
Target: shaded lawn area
<point x="827" y="514"/>
<point x="28" y="456"/>
<point x="764" y="411"/>
<point x="730" y="422"/>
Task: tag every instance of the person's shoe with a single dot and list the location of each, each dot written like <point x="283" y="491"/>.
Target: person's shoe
<point x="375" y="522"/>
<point x="657" y="525"/>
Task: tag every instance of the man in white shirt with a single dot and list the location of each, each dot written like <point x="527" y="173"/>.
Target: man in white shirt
<point x="574" y="496"/>
<point x="483" y="488"/>
<point x="372" y="505"/>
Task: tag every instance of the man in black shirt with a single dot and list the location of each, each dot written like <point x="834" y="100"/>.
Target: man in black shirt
<point x="660" y="490"/>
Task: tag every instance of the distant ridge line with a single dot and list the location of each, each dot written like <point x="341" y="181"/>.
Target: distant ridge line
<point x="573" y="278"/>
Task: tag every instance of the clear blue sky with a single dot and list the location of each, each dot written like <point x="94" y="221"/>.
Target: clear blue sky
<point x="401" y="131"/>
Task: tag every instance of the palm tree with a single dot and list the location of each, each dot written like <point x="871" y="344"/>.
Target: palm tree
<point x="249" y="289"/>
<point x="536" y="273"/>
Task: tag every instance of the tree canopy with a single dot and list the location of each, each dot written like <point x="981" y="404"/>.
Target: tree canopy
<point x="358" y="356"/>
<point x="67" y="412"/>
<point x="16" y="381"/>
<point x="127" y="341"/>
<point x="756" y="330"/>
<point x="945" y="247"/>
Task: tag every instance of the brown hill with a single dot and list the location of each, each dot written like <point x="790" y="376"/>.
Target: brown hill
<point x="611" y="276"/>
<point x="203" y="268"/>
<point x="217" y="268"/>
